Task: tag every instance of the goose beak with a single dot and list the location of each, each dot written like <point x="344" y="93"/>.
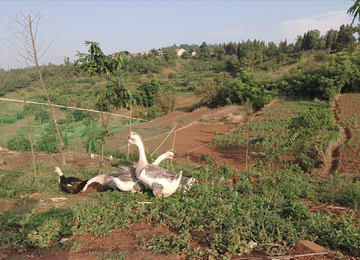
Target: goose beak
<point x="176" y="154"/>
<point x="127" y="136"/>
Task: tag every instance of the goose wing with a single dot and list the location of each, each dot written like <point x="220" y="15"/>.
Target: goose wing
<point x="128" y="176"/>
<point x="114" y="174"/>
<point x="121" y="167"/>
<point x="157" y="172"/>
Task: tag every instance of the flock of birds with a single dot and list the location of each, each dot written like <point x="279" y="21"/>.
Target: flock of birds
<point x="161" y="181"/>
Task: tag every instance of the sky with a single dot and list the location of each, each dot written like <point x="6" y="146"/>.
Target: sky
<point x="137" y="26"/>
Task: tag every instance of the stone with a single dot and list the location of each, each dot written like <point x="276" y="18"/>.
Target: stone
<point x="310" y="246"/>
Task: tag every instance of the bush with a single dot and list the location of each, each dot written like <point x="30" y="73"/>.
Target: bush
<point x="165" y="100"/>
<point x="154" y="111"/>
<point x="19" y="143"/>
<point x="321" y="55"/>
<point x="139" y="112"/>
<point x="207" y="91"/>
<point x="313" y="130"/>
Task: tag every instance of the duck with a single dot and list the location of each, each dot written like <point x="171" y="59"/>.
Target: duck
<point x="70" y="185"/>
<point x="161" y="181"/>
<point x="126" y="180"/>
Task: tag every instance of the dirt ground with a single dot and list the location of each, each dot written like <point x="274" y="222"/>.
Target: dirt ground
<point x="192" y="138"/>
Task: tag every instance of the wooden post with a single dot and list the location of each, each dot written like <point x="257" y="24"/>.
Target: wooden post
<point x="90" y="137"/>
<point x="2" y="126"/>
<point x="173" y="143"/>
<point x="128" y="143"/>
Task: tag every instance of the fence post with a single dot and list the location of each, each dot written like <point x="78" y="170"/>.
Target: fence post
<point x="173" y="143"/>
<point x="2" y="126"/>
<point x="128" y="143"/>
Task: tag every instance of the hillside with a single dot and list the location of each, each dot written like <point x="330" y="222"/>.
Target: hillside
<point x="271" y="140"/>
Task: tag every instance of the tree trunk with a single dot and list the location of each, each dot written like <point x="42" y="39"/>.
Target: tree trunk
<point x="30" y="138"/>
<point x="62" y="145"/>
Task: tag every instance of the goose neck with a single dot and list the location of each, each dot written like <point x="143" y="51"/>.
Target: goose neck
<point x="142" y="155"/>
<point x="160" y="159"/>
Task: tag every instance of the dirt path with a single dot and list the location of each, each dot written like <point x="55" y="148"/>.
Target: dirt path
<point x="332" y="161"/>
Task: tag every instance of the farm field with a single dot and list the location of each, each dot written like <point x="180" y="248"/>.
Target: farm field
<point x="349" y="119"/>
<point x="216" y="219"/>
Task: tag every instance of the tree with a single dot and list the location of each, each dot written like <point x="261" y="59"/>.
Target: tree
<point x="155" y="52"/>
<point x="331" y="39"/>
<point x="280" y="57"/>
<point x="23" y="44"/>
<point x="283" y="46"/>
<point x="298" y="43"/>
<point x="220" y="52"/>
<point x="345" y="37"/>
<point x="311" y="40"/>
<point x="146" y="95"/>
<point x="185" y="55"/>
<point x="96" y="62"/>
<point x="271" y="50"/>
<point x="170" y="55"/>
<point x="232" y="65"/>
<point x="354" y="10"/>
<point x="207" y="91"/>
<point x="166" y="100"/>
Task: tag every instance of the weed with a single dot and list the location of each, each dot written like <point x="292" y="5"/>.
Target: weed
<point x="167" y="244"/>
<point x="110" y="255"/>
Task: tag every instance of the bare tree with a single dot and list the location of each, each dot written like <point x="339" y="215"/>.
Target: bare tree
<point x="30" y="138"/>
<point x="29" y="51"/>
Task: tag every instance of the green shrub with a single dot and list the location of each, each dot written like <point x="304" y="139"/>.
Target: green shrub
<point x="154" y="111"/>
<point x="313" y="130"/>
<point x="19" y="143"/>
<point x="321" y="55"/>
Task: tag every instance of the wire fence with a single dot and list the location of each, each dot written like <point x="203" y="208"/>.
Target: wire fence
<point x="79" y="129"/>
<point x="297" y="96"/>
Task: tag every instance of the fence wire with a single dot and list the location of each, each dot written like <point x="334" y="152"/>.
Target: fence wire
<point x="78" y="129"/>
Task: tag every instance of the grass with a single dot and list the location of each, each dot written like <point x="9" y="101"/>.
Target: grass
<point x="221" y="217"/>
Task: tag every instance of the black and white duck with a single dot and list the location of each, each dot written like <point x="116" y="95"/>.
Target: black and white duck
<point x="161" y="181"/>
<point x="70" y="185"/>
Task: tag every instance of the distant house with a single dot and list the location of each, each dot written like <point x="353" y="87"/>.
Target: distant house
<point x="194" y="53"/>
<point x="141" y="52"/>
<point x="179" y="52"/>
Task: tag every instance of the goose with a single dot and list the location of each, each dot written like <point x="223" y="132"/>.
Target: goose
<point x="126" y="180"/>
<point x="123" y="167"/>
<point x="71" y="185"/>
<point x="131" y="183"/>
<point x="169" y="154"/>
<point x="163" y="182"/>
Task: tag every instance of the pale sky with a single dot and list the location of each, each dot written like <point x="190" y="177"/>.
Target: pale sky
<point x="137" y="26"/>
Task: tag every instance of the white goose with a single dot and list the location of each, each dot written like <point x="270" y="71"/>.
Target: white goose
<point x="126" y="180"/>
<point x="162" y="182"/>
